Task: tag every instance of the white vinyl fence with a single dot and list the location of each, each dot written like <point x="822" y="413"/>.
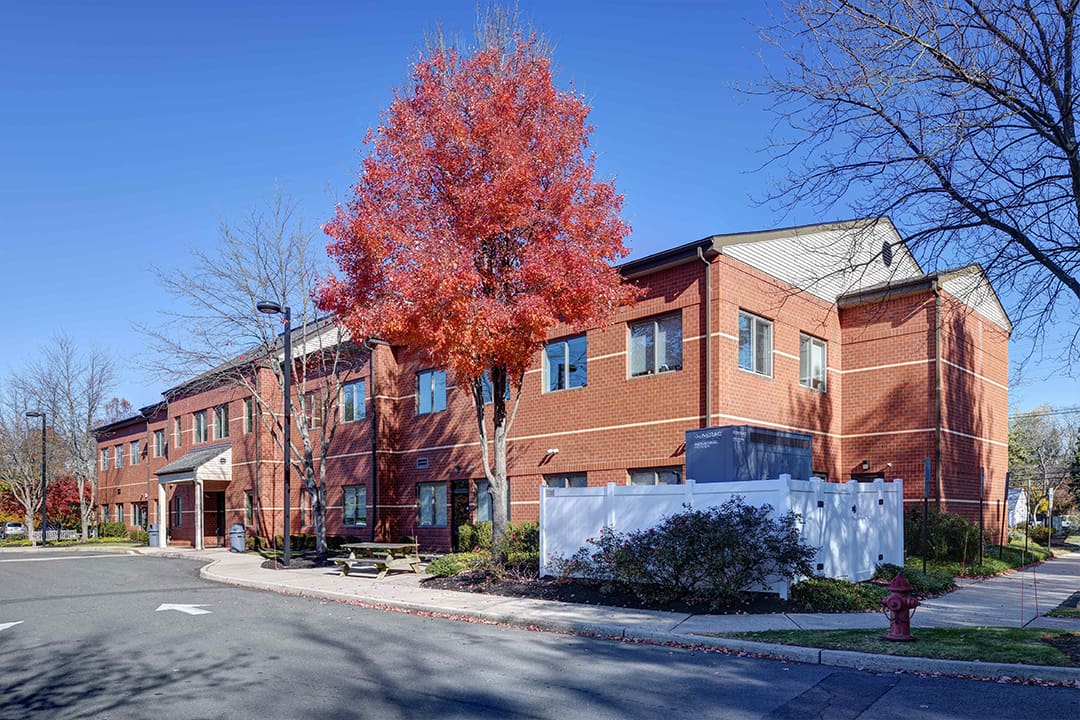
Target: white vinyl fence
<point x="854" y="526"/>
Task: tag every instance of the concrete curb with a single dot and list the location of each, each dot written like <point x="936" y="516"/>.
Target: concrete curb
<point x="789" y="653"/>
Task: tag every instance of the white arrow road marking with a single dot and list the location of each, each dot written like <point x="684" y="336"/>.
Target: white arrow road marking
<point x="5" y="626"/>
<point x="189" y="609"/>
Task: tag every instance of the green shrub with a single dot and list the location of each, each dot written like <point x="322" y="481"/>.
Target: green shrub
<point x="948" y="536"/>
<point x="1040" y="534"/>
<point x="139" y="535"/>
<point x="455" y="563"/>
<point x="931" y="582"/>
<point x="112" y="530"/>
<point x="819" y="594"/>
<point x="474" y="537"/>
<point x="521" y="543"/>
<point x="711" y="555"/>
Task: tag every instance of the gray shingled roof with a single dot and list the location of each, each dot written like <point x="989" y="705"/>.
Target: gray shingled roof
<point x="192" y="459"/>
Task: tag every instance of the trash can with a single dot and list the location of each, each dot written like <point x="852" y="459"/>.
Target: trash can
<point x="152" y="533"/>
<point x="237" y="542"/>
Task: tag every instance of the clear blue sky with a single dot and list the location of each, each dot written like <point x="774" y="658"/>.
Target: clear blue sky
<point x="129" y="129"/>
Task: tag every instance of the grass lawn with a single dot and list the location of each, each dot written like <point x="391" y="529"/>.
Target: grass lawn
<point x="1002" y="645"/>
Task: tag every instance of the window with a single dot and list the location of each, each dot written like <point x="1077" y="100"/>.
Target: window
<point x="249" y="508"/>
<point x="567" y="480"/>
<point x="488" y="390"/>
<point x="200" y="426"/>
<point x="483" y="501"/>
<point x="138" y="515"/>
<point x="119" y="456"/>
<point x="105" y="460"/>
<point x="656" y="476"/>
<point x="755" y="344"/>
<point x="119" y="512"/>
<point x="177" y="433"/>
<point x="305" y="508"/>
<point x="313" y="409"/>
<point x="159" y="443"/>
<point x="812" y="366"/>
<point x="354" y="505"/>
<point x="104" y="513"/>
<point x="249" y="415"/>
<point x="352" y="401"/>
<point x="135" y="452"/>
<point x="430" y="392"/>
<point x="656" y="345"/>
<point x="432" y="498"/>
<point x="221" y="422"/>
<point x="565" y="364"/>
<point x="178" y="511"/>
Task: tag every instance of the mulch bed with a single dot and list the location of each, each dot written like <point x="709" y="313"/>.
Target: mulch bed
<point x="1068" y="643"/>
<point x="590" y="593"/>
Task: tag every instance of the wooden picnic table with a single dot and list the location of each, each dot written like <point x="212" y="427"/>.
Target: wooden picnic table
<point x="385" y="556"/>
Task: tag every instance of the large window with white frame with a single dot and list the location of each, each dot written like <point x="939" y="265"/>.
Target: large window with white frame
<point x="483" y="501"/>
<point x="105" y="460"/>
<point x="432" y="502"/>
<point x="352" y="401"/>
<point x="120" y="513"/>
<point x="199" y="422"/>
<point x="159" y="443"/>
<point x="812" y="362"/>
<point x="430" y="392"/>
<point x="656" y="345"/>
<point x="354" y="505"/>
<point x="119" y="456"/>
<point x="656" y="476"/>
<point x="135" y="452"/>
<point x="566" y="364"/>
<point x="755" y="344"/>
<point x="487" y="388"/>
<point x="221" y="421"/>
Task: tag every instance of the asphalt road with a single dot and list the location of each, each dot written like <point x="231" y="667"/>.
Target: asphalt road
<point x="93" y="641"/>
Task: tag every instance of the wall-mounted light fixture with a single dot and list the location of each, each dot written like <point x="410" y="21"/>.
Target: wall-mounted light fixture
<point x="865" y="465"/>
<point x="553" y="451"/>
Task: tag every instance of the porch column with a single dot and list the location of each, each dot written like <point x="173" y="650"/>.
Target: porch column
<point x="198" y="514"/>
<point x="162" y="516"/>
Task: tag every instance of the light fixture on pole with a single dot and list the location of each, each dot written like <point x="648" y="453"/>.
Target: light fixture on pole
<point x="44" y="525"/>
<point x="272" y="308"/>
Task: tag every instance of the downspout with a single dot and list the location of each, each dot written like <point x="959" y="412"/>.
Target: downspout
<point x="370" y="344"/>
<point x="707" y="420"/>
<point x="937" y="390"/>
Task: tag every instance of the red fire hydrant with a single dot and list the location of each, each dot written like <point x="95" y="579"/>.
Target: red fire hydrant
<point x="899" y="606"/>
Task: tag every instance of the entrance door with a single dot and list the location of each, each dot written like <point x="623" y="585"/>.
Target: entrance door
<point x="459" y="509"/>
<point x="214" y="517"/>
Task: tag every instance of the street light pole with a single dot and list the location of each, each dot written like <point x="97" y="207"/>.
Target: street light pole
<point x="273" y="308"/>
<point x="44" y="524"/>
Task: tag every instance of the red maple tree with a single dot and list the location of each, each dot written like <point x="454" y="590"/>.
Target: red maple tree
<point x="476" y="226"/>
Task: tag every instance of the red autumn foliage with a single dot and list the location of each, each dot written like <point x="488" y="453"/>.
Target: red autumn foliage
<point x="62" y="504"/>
<point x="476" y="225"/>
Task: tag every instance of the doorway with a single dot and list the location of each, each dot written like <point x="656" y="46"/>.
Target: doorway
<point x="459" y="509"/>
<point x="214" y="517"/>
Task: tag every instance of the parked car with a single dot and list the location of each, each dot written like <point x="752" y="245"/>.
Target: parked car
<point x="12" y="529"/>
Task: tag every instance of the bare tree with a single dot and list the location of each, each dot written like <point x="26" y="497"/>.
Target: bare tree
<point x="219" y="336"/>
<point x="20" y="450"/>
<point x="1041" y="455"/>
<point x="71" y="386"/>
<point x="957" y="118"/>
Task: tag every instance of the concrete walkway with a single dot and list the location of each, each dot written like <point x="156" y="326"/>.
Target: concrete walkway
<point x="1005" y="601"/>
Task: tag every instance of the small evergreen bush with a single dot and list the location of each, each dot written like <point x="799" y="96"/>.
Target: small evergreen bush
<point x="1040" y="534"/>
<point x="112" y="530"/>
<point x="820" y="594"/>
<point x="931" y="582"/>
<point x="455" y="563"/>
<point x="139" y="535"/>
<point x="948" y="536"/>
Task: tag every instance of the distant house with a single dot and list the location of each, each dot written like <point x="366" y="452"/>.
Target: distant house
<point x="1018" y="506"/>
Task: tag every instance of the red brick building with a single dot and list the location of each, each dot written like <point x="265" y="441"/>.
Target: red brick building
<point x="831" y="330"/>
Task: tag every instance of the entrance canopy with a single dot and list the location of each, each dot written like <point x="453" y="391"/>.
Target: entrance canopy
<point x="207" y="468"/>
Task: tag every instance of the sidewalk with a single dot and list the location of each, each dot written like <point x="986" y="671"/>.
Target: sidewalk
<point x="1005" y="601"/>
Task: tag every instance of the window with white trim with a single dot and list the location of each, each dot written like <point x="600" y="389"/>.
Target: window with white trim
<point x="487" y="388"/>
<point x="120" y="512"/>
<point x="483" y="501"/>
<point x="104" y="513"/>
<point x="656" y="476"/>
<point x="755" y="344"/>
<point x="177" y="511"/>
<point x="354" y="505"/>
<point x="105" y="460"/>
<point x="812" y="367"/>
<point x="352" y="401"/>
<point x="119" y="456"/>
<point x="249" y="508"/>
<point x="178" y="435"/>
<point x="430" y="392"/>
<point x="159" y="443"/>
<point x="656" y="345"/>
<point x="135" y="452"/>
<point x="199" y="420"/>
<point x="566" y="364"/>
<point x="432" y="504"/>
<point x="221" y="421"/>
<point x="249" y="415"/>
